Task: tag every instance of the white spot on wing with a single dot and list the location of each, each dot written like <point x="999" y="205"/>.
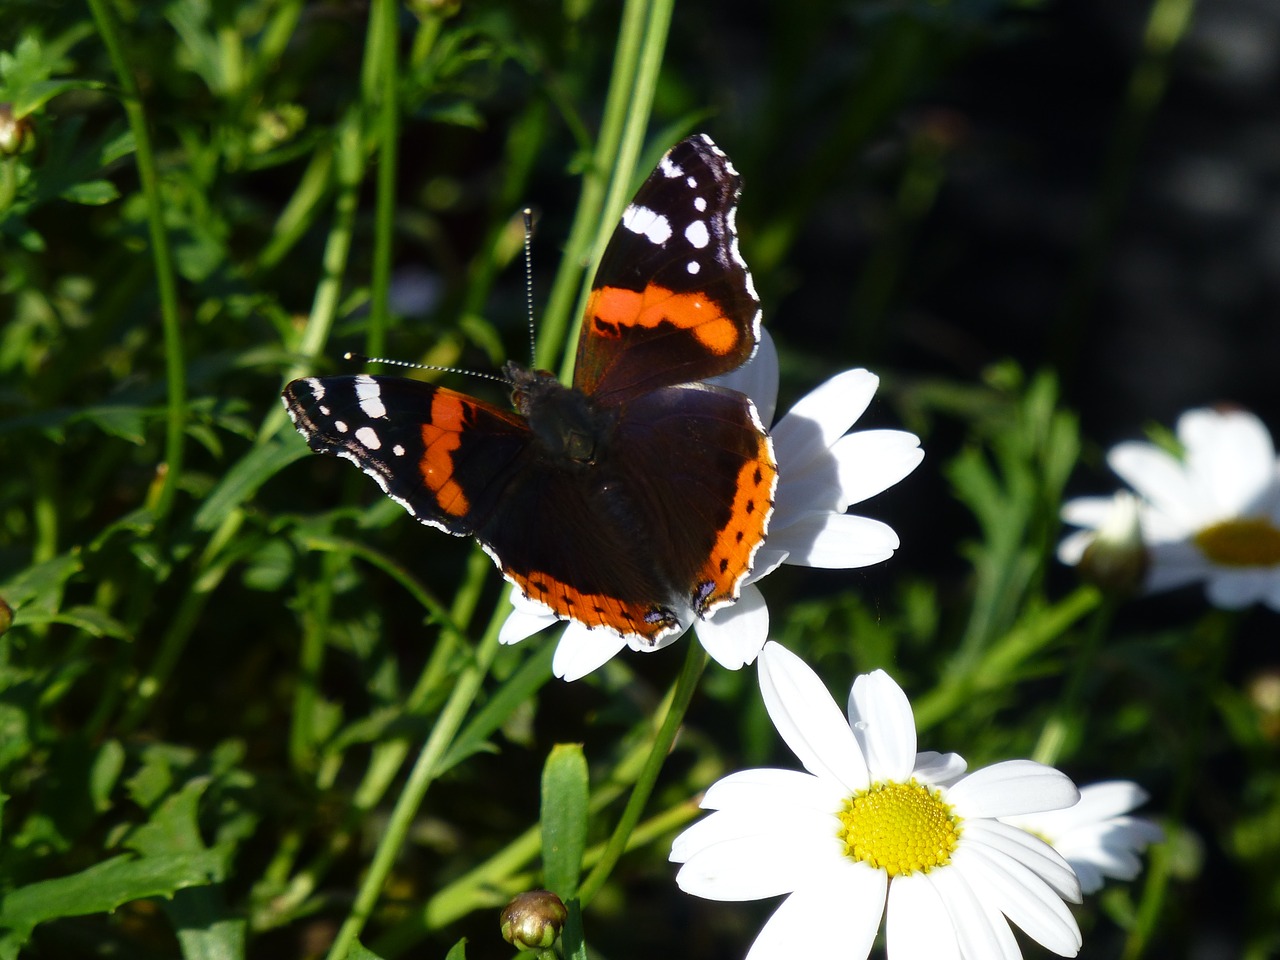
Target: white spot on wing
<point x="317" y="388"/>
<point x="340" y="426"/>
<point x="693" y="266"/>
<point x="692" y="182"/>
<point x="700" y="204"/>
<point x="398" y="450"/>
<point x="654" y="227"/>
<point x="325" y="410"/>
<point x="696" y="234"/>
<point x="369" y="437"/>
<point x="370" y="396"/>
<point x="669" y="170"/>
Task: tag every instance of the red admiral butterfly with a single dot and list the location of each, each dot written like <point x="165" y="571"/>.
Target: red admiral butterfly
<point x="635" y="499"/>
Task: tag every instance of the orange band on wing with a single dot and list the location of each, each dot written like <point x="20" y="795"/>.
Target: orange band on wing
<point x="651" y="622"/>
<point x="440" y="438"/>
<point x="737" y="542"/>
<point x="613" y="309"/>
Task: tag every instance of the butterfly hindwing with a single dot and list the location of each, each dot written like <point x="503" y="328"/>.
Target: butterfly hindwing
<point x="703" y="472"/>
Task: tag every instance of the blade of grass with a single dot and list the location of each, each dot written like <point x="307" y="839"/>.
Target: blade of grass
<point x="162" y="255"/>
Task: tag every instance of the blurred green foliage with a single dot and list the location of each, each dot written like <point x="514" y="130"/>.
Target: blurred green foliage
<point x="220" y="661"/>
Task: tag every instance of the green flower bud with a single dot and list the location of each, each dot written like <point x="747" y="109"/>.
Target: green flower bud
<point x="17" y="134"/>
<point x="1116" y="560"/>
<point x="533" y="920"/>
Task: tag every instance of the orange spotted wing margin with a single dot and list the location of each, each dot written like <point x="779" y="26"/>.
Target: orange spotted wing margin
<point x="672" y="301"/>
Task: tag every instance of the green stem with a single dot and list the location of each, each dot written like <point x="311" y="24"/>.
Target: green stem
<point x="1212" y="644"/>
<point x="176" y="412"/>
<point x="694" y="663"/>
<point x="431" y="18"/>
<point x="1067" y="722"/>
<point x="296" y="217"/>
<point x="381" y="91"/>
<point x="8" y="182"/>
<point x="349" y="169"/>
<point x="317" y="604"/>
<point x="446" y="728"/>
<point x="642" y="37"/>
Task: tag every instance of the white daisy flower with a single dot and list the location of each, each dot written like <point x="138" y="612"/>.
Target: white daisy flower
<point x="822" y="470"/>
<point x="1212" y="516"/>
<point x="1096" y="836"/>
<point x="875" y="829"/>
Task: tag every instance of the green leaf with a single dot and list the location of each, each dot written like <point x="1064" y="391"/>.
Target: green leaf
<point x="359" y="951"/>
<point x="126" y="422"/>
<point x="201" y="920"/>
<point x="38" y="590"/>
<point x="243" y="480"/>
<point x="105" y="886"/>
<point x="564" y="818"/>
<point x="458" y="951"/>
<point x="522" y="685"/>
<point x="89" y="619"/>
<point x="105" y="773"/>
<point x="93" y="193"/>
<point x="173" y="828"/>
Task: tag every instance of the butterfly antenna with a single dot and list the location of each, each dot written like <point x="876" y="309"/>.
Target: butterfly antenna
<point x="528" y="280"/>
<point x="361" y="358"/>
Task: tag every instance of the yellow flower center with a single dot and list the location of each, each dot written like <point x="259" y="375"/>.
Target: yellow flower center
<point x="899" y="828"/>
<point x="1246" y="542"/>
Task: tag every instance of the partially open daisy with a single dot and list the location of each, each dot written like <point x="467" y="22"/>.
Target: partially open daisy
<point x="1212" y="515"/>
<point x="822" y="470"/>
<point x="875" y="830"/>
<point x="1096" y="836"/>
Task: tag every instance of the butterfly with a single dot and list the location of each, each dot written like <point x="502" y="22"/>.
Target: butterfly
<point x="634" y="500"/>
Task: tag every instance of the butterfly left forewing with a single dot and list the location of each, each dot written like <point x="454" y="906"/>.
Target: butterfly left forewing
<point x="672" y="300"/>
<point x="444" y="456"/>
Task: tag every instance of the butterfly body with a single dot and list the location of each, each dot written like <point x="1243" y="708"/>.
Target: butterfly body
<point x="633" y="500"/>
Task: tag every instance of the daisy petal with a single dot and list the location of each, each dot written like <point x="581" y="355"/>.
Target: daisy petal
<point x="1032" y="852"/>
<point x="872" y="461"/>
<point x="1012" y="787"/>
<point x="1237" y="589"/>
<point x="1098" y="801"/>
<point x="1023" y="897"/>
<point x="1160" y="479"/>
<point x="769" y="787"/>
<point x="832" y="541"/>
<point x="527" y="617"/>
<point x="881" y="718"/>
<point x="581" y="650"/>
<point x="1071" y="549"/>
<point x="939" y="769"/>
<point x="1175" y="565"/>
<point x="728" y="863"/>
<point x="916" y="921"/>
<point x="834" y="917"/>
<point x="757" y="378"/>
<point x="1230" y="454"/>
<point x="808" y="720"/>
<point x="977" y="931"/>
<point x="820" y="417"/>
<point x="1090" y="512"/>
<point x="735" y="634"/>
